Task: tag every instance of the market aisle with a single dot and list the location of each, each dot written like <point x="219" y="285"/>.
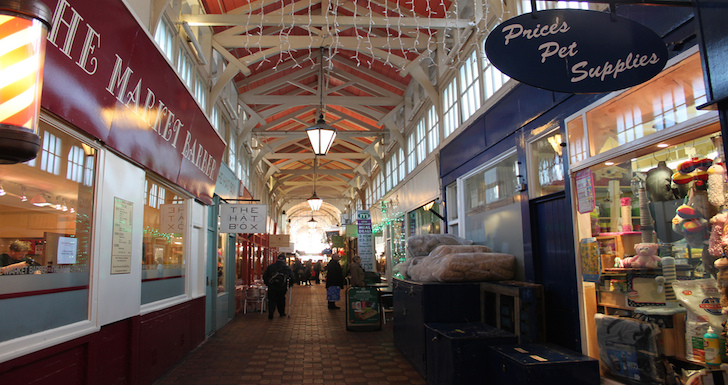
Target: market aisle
<point x="310" y="347"/>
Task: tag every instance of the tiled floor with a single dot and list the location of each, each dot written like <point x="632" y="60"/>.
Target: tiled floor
<point x="312" y="346"/>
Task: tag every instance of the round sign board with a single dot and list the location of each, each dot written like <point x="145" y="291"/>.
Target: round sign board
<point x="576" y="51"/>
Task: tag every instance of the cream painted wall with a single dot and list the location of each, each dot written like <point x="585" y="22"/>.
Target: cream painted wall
<point x="415" y="192"/>
<point x="117" y="296"/>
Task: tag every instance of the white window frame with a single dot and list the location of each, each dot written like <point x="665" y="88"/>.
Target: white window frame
<point x="433" y="130"/>
<point x="470" y="86"/>
<point x="450" y="116"/>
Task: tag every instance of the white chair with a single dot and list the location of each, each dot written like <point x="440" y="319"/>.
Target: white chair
<point x="257" y="296"/>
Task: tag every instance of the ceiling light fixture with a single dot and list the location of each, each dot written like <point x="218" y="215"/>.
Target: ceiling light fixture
<point x="38" y="200"/>
<point x="315" y="202"/>
<point x="25" y="26"/>
<point x="321" y="134"/>
<point x="312" y="223"/>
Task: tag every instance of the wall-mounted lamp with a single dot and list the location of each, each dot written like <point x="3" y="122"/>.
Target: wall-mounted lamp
<point x="25" y="25"/>
<point x="428" y="207"/>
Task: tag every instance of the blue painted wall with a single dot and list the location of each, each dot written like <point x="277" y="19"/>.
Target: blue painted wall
<point x="547" y="222"/>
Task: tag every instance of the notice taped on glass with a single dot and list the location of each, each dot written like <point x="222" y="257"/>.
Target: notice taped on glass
<point x="585" y="199"/>
<point x="122" y="237"/>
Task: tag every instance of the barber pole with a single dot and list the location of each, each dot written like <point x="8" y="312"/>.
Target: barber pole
<point x="23" y="29"/>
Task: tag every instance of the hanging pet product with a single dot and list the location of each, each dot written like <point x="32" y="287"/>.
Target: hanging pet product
<point x="646" y="227"/>
<point x="691" y="218"/>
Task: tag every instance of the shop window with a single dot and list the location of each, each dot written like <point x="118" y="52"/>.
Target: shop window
<point x="669" y="99"/>
<point x="490" y="206"/>
<point x="492" y="186"/>
<point x="163" y="270"/>
<point x="618" y="206"/>
<point x="46" y="228"/>
<point x="221" y="261"/>
<point x="451" y="193"/>
<point x="452" y="201"/>
<point x="546" y="165"/>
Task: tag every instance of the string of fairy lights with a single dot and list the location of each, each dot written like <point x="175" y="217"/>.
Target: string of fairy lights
<point x="365" y="15"/>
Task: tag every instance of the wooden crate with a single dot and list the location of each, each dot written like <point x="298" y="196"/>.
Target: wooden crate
<point x="514" y="306"/>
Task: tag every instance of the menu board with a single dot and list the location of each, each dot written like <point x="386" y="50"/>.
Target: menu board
<point x="122" y="237"/>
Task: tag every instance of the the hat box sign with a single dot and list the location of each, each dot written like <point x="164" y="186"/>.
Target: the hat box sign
<point x="576" y="51"/>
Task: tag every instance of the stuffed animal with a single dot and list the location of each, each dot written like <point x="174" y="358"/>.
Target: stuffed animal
<point x="646" y="256"/>
<point x="721" y="264"/>
<point x="715" y="243"/>
<point x="716" y="190"/>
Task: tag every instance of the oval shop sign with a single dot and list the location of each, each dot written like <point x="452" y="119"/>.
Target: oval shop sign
<point x="576" y="51"/>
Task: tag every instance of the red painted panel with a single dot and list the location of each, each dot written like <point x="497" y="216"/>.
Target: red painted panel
<point x="110" y="355"/>
<point x="109" y="79"/>
<point x="136" y="350"/>
<point x="67" y="367"/>
<point x="166" y="336"/>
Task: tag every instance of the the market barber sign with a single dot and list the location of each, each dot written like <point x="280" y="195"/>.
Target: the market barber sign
<point x="576" y="51"/>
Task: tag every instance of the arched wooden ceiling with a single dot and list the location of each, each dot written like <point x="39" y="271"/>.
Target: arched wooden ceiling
<point x="357" y="57"/>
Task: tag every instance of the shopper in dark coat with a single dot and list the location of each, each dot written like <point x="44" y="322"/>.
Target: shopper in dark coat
<point x="307" y="272"/>
<point x="317" y="269"/>
<point x="277" y="295"/>
<point x="298" y="270"/>
<point x="334" y="281"/>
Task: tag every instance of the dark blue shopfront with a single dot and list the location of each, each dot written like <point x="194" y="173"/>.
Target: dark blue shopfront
<point x="547" y="220"/>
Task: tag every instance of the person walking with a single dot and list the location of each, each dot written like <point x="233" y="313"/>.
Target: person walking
<point x="317" y="268"/>
<point x="356" y="272"/>
<point x="334" y="281"/>
<point x="307" y="272"/>
<point x="298" y="270"/>
<point x="278" y="277"/>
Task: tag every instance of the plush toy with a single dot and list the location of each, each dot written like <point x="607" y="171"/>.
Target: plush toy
<point x="716" y="189"/>
<point x="721" y="264"/>
<point x="692" y="225"/>
<point x="693" y="170"/>
<point x="646" y="256"/>
<point x="717" y="237"/>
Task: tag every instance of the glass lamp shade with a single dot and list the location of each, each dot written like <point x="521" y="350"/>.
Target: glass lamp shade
<point x="312" y="223"/>
<point x="321" y="136"/>
<point x="23" y="29"/>
<point x="315" y="202"/>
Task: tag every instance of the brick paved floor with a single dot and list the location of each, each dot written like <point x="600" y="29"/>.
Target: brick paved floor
<point x="312" y="346"/>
